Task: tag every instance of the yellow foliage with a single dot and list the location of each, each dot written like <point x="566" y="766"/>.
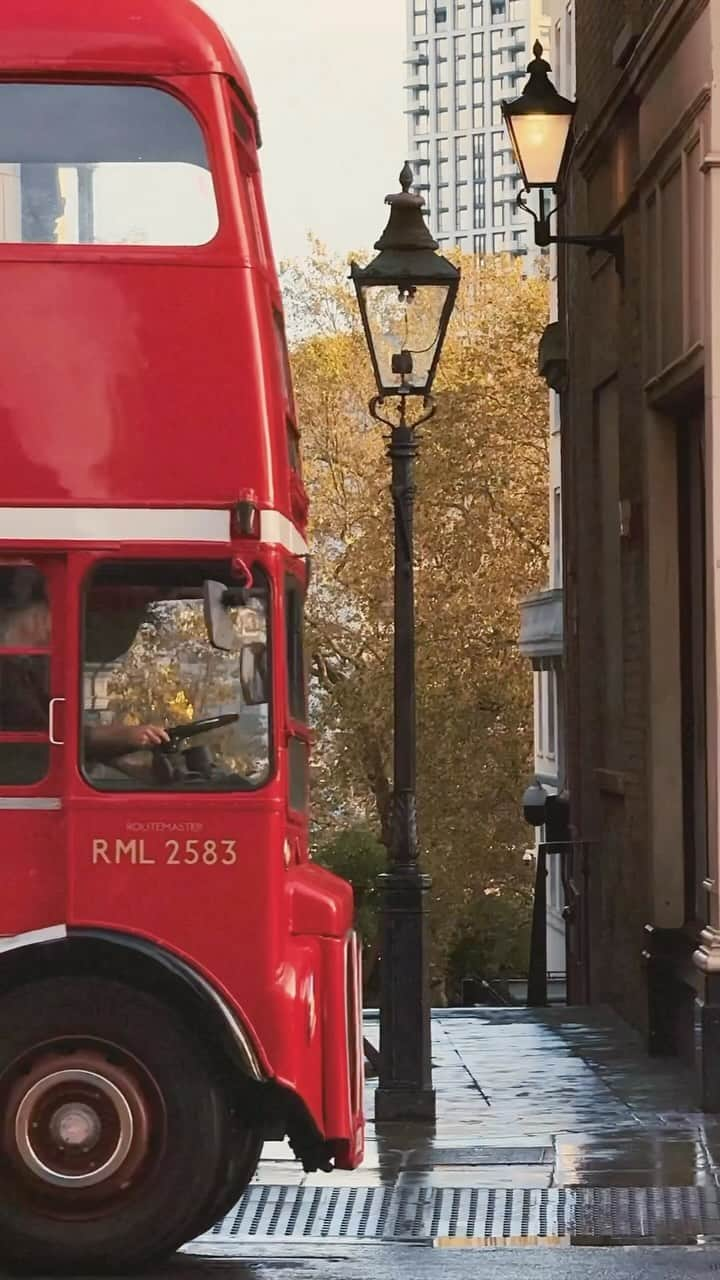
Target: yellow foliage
<point x="480" y="544"/>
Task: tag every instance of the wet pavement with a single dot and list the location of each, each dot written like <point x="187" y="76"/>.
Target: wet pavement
<point x="412" y="1263"/>
<point x="553" y="1127"/>
<point x="375" y="1262"/>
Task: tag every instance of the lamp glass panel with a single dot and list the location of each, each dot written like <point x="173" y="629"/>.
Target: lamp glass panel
<point x="539" y="142"/>
<point x="405" y="322"/>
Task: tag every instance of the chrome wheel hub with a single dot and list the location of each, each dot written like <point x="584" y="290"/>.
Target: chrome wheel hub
<point x="82" y="1123"/>
<point x="74" y="1128"/>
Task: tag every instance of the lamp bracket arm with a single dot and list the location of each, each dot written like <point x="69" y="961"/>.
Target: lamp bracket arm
<point x="614" y="245"/>
<point x="378" y="417"/>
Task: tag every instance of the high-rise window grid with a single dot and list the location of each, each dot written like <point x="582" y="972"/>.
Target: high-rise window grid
<point x="465" y="57"/>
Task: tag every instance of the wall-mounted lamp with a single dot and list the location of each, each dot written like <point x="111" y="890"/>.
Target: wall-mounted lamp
<point x="539" y="123"/>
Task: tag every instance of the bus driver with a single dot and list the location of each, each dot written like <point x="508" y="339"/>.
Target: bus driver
<point x="24" y="696"/>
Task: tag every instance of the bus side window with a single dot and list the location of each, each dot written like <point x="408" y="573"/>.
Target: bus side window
<point x="293" y="448"/>
<point x="248" y="172"/>
<point x="284" y="359"/>
<point x="298" y="750"/>
<point x="25" y="635"/>
<point x="295" y="632"/>
<point x="260" y="215"/>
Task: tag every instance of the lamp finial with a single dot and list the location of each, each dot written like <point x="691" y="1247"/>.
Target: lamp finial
<point x="406" y="177"/>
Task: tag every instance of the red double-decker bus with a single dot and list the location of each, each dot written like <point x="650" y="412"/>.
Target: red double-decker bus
<point x="178" y="981"/>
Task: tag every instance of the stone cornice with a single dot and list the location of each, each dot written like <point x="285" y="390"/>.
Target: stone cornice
<point x="656" y="46"/>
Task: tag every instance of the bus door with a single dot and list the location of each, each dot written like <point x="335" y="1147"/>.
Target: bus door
<point x="32" y="733"/>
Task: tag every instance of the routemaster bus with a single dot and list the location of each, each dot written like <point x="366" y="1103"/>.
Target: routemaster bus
<point x="178" y="981"/>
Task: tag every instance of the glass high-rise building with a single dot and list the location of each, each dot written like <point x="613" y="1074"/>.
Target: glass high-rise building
<point x="464" y="57"/>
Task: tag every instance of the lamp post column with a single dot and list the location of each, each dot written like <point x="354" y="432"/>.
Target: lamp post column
<point x="405" y="1088"/>
<point x="405" y="296"/>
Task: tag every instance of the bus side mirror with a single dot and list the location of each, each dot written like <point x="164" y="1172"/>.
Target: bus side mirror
<point x="218" y="621"/>
<point x="254" y="674"/>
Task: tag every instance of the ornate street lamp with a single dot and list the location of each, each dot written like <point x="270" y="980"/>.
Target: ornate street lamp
<point x="539" y="123"/>
<point x="406" y="296"/>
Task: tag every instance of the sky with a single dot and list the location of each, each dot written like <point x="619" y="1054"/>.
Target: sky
<point x="328" y="79"/>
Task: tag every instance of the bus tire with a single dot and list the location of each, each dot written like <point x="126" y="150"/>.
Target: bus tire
<point x="113" y="1128"/>
<point x="244" y="1158"/>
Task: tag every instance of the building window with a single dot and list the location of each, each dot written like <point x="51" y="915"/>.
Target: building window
<point x="557" y="537"/>
<point x="440" y="17"/>
<point x="478" y="180"/>
<point x="460" y="58"/>
<point x="499" y="10"/>
<point x="479" y="244"/>
<point x="461" y="160"/>
<point x="499" y="244"/>
<point x="443" y="173"/>
<point x="607" y="495"/>
<point x="459" y="13"/>
<point x="441" y="60"/>
<point x="550" y="686"/>
<point x="461" y="110"/>
<point x="477" y="12"/>
<point x="420" y="25"/>
<point x="477" y="57"/>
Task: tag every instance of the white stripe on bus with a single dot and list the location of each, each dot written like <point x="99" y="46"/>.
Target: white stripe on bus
<point x="30" y="802"/>
<point x="138" y="524"/>
<point x="13" y="941"/>
<point x="118" y="524"/>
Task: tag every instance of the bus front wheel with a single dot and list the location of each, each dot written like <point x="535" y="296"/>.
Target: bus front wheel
<point x="113" y="1127"/>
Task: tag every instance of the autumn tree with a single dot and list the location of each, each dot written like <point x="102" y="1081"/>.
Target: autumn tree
<point x="481" y="544"/>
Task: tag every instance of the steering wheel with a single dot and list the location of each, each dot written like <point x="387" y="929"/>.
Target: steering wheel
<point x="180" y="732"/>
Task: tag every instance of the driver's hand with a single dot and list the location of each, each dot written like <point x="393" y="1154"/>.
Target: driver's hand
<point x="106" y="741"/>
<point x="144" y="735"/>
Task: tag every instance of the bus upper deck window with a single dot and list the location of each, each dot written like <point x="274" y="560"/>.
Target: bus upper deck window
<point x="102" y="164"/>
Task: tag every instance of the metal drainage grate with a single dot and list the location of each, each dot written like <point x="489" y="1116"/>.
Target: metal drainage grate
<point x="430" y="1213"/>
<point x="646" y="1213"/>
<point x="466" y="1215"/>
<point x="384" y="1213"/>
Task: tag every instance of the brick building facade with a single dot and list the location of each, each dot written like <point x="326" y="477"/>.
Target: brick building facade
<point x="641" y="518"/>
